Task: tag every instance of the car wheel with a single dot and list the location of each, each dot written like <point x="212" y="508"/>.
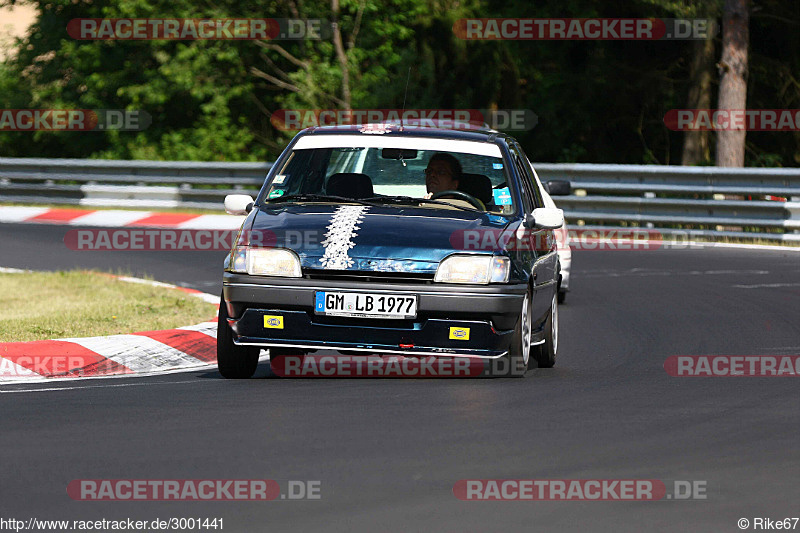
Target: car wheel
<point x="517" y="361"/>
<point x="234" y="362"/>
<point x="545" y="354"/>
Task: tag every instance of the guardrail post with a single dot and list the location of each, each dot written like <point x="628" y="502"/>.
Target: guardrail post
<point x="792" y="215"/>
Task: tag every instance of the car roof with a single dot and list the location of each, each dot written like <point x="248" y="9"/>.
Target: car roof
<point x="469" y="132"/>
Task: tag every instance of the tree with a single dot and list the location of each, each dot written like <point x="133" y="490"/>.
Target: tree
<point x="696" y="143"/>
<point x="596" y="101"/>
<point x="197" y="92"/>
<point x="733" y="70"/>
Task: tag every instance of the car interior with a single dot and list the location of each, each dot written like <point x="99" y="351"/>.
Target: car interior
<point x="350" y="185"/>
<point x="359" y="186"/>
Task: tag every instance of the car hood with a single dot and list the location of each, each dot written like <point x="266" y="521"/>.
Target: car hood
<point x="368" y="238"/>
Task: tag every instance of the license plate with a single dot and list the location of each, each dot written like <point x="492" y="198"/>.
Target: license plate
<point x="365" y="305"/>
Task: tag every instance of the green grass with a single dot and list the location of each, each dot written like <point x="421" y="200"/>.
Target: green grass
<point x="79" y="303"/>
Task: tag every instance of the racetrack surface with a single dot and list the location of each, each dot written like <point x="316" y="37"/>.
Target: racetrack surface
<point x="388" y="452"/>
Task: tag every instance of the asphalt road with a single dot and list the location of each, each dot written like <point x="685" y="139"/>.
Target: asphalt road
<point x="388" y="452"/>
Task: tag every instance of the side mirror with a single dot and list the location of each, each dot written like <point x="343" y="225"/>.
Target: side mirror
<point x="545" y="218"/>
<point x="238" y="204"/>
<point x="558" y="187"/>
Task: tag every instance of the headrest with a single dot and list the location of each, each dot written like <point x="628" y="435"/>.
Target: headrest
<point x="350" y="185"/>
<point x="476" y="185"/>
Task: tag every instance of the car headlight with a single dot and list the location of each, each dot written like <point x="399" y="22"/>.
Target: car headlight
<point x="265" y="262"/>
<point x="238" y="262"/>
<point x="473" y="269"/>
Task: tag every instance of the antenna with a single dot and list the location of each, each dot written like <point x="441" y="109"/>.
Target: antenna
<point x="408" y="77"/>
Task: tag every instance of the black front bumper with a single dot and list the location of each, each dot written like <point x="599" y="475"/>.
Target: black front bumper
<point x="489" y="311"/>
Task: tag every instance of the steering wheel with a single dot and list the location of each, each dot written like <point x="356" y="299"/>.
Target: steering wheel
<point x="461" y="195"/>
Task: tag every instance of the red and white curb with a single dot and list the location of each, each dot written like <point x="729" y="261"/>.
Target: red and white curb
<point x="141" y="353"/>
<point x="114" y="218"/>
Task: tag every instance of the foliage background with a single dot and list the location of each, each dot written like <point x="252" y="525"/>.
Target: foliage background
<point x="597" y="101"/>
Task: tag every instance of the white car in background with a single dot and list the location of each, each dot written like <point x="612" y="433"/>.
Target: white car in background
<point x="559" y="188"/>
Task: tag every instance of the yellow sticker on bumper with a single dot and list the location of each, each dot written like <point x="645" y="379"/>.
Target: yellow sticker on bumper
<point x="273" y="322"/>
<point x="459" y="334"/>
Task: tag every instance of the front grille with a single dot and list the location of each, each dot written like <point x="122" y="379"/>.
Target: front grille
<point x="368" y="276"/>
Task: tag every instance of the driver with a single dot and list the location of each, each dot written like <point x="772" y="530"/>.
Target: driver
<point x="442" y="174"/>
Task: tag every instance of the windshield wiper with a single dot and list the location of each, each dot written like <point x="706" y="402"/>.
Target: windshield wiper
<point x="316" y="198"/>
<point x="408" y="200"/>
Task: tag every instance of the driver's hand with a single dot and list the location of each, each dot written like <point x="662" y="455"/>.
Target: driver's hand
<point x="428" y="196"/>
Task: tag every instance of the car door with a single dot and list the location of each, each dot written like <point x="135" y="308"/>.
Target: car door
<point x="544" y="269"/>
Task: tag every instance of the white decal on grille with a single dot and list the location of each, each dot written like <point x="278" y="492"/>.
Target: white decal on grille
<point x="339" y="236"/>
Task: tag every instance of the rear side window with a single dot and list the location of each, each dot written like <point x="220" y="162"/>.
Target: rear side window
<point x="524" y="182"/>
<point x="529" y="178"/>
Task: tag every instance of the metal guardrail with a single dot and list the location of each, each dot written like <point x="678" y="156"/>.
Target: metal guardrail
<point x="101" y="182"/>
<point x="717" y="201"/>
<point x="691" y="201"/>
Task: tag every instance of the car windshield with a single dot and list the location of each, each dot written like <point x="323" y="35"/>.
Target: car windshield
<point x="391" y="172"/>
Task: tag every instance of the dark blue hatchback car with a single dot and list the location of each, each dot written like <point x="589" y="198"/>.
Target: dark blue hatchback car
<point x="383" y="239"/>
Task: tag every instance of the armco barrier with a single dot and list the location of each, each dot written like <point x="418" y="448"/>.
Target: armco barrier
<point x="712" y="200"/>
<point x="701" y="201"/>
<point x="126" y="183"/>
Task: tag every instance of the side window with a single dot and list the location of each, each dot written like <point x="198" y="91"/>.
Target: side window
<point x="530" y="179"/>
<point x="525" y="183"/>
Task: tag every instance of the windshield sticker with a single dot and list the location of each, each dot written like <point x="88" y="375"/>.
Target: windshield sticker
<point x="276" y="193"/>
<point x="339" y="236"/>
<point x="279" y="179"/>
<point x="497" y="166"/>
<point x="502" y="196"/>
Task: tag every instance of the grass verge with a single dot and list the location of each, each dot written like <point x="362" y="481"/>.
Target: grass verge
<point x="80" y="303"/>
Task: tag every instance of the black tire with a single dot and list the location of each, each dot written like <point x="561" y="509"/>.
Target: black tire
<point x="545" y="354"/>
<point x="233" y="362"/>
<point x="562" y="293"/>
<point x="515" y="363"/>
